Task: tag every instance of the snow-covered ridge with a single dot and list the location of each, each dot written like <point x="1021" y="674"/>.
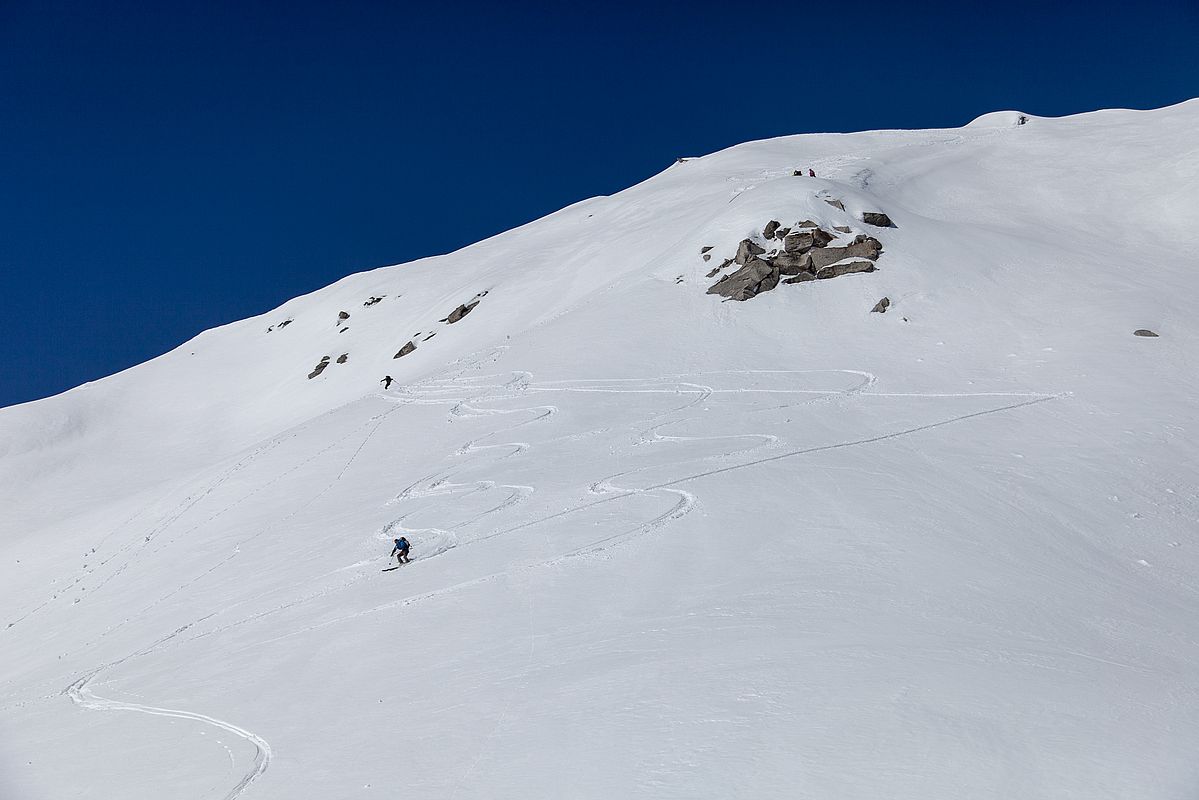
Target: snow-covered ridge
<point x="664" y="543"/>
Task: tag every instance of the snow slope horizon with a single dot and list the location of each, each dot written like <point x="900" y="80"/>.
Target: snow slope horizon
<point x="942" y="551"/>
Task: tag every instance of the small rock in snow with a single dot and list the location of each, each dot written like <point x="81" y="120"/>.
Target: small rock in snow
<point x="319" y="368"/>
<point x="877" y="218"/>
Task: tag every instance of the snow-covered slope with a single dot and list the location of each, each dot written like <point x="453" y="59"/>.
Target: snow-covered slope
<point x="665" y="545"/>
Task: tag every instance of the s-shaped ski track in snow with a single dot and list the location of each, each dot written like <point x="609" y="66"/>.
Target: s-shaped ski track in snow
<point x="685" y="501"/>
<point x="82" y="695"/>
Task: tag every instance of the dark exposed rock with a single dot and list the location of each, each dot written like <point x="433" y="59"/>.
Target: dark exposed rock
<point x="707" y="256"/>
<point x="842" y="229"/>
<point x="343" y="358"/>
<point x="793" y="263"/>
<point x="800" y="278"/>
<point x="861" y="247"/>
<point x="460" y="312"/>
<point x="373" y="300"/>
<point x="430" y="336"/>
<point x="319" y="368"/>
<point x="864" y="246"/>
<point x="844" y="268"/>
<point x="805" y="240"/>
<point x="828" y="255"/>
<point x="881" y="306"/>
<point x="405" y="350"/>
<point x="285" y="323"/>
<point x="703" y="250"/>
<point x="747" y="250"/>
<point x="754" y="278"/>
<point x="878" y="219"/>
<point x="727" y="261"/>
<point x="797" y="173"/>
<point x="804" y="255"/>
<point x="835" y="203"/>
<point x="342" y="316"/>
<point x="1144" y="332"/>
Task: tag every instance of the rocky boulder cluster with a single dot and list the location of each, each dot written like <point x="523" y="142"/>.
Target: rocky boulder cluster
<point x="799" y="253"/>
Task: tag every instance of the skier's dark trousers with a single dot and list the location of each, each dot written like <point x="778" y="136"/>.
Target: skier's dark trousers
<point x="400" y="551"/>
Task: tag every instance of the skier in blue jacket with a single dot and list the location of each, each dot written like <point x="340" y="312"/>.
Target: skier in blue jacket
<point x="400" y="551"/>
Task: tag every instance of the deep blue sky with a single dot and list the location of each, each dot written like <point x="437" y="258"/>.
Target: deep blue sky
<point x="168" y="167"/>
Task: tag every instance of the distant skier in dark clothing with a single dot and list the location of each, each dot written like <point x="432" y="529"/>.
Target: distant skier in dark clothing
<point x="400" y="551"/>
<point x="386" y="382"/>
<point x="811" y="173"/>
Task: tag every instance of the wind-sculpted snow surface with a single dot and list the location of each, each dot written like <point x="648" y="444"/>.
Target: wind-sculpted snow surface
<point x="663" y="546"/>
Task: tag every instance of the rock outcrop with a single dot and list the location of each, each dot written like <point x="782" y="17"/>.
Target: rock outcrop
<point x="861" y="247"/>
<point x="806" y="239"/>
<point x="373" y="300"/>
<point x="343" y="358"/>
<point x="844" y="268"/>
<point x="881" y="306"/>
<point x="460" y="312"/>
<point x="319" y="368"/>
<point x="808" y="253"/>
<point x="793" y="263"/>
<point x="747" y="250"/>
<point x="405" y="350"/>
<point x="342" y="316"/>
<point x="1144" y="332"/>
<point x="878" y="219"/>
<point x="752" y="279"/>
